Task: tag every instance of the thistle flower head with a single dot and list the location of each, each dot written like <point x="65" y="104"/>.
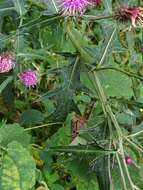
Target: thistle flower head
<point x="133" y="14"/>
<point x="7" y="62"/>
<point x="128" y="160"/>
<point x="72" y="7"/>
<point x="29" y="78"/>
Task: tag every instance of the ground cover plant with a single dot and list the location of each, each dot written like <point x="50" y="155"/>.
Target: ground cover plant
<point x="71" y="95"/>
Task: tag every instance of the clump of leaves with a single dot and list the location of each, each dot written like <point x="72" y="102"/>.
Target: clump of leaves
<point x="75" y="120"/>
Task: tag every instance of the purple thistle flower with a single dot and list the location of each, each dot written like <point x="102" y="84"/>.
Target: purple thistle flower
<point x="129" y="160"/>
<point x="72" y="7"/>
<point x="7" y="62"/>
<point x="28" y="78"/>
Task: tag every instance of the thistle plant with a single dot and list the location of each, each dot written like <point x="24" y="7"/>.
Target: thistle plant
<point x="81" y="127"/>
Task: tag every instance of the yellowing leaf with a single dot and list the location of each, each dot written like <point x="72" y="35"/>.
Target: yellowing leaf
<point x="18" y="168"/>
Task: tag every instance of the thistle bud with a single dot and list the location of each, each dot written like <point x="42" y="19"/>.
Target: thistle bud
<point x="132" y="14"/>
<point x="7" y="62"/>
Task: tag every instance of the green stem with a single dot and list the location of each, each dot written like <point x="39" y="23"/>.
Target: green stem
<point x="41" y="126"/>
<point x="105" y="50"/>
<point x="73" y="70"/>
<point x="92" y="17"/>
<point x="134" y="145"/>
<point x="135" y="134"/>
<point x="7" y="9"/>
<point x="121" y="171"/>
<point x="109" y="112"/>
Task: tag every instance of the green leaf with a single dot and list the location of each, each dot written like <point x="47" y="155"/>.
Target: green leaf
<point x="125" y="118"/>
<point x="31" y="116"/>
<point x="11" y="132"/>
<point x="116" y="84"/>
<point x="64" y="94"/>
<point x="87" y="80"/>
<point x="18" y="168"/>
<point x="5" y="83"/>
<point x="56" y="187"/>
<point x="83" y="177"/>
<point x="6" y="7"/>
<point x="75" y="37"/>
<point x="83" y="185"/>
<point x="61" y="137"/>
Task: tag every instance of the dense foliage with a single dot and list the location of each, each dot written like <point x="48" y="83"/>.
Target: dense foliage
<point x="71" y="95"/>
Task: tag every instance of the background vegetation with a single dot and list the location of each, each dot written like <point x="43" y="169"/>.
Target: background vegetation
<point x="76" y="128"/>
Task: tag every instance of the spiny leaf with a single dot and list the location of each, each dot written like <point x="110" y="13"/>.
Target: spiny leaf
<point x="5" y="83"/>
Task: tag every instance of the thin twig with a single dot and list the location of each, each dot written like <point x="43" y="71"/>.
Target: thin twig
<point x="41" y="126"/>
<point x="92" y="17"/>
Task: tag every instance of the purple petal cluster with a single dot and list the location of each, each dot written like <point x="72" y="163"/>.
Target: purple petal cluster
<point x="75" y="7"/>
<point x="72" y="7"/>
<point x="29" y="78"/>
<point x="7" y="62"/>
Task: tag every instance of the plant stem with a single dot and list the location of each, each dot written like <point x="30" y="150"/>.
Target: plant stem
<point x="109" y="113"/>
<point x="105" y="105"/>
<point x="41" y="126"/>
<point x="92" y="17"/>
<point x="133" y="144"/>
<point x="135" y="134"/>
<point x="73" y="70"/>
<point x="121" y="171"/>
<point x="105" y="50"/>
